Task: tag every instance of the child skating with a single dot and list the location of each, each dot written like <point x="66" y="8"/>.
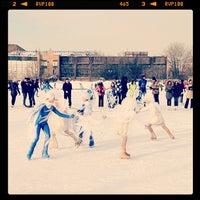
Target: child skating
<point x="156" y="118"/>
<point x="86" y="120"/>
<point x="41" y="123"/>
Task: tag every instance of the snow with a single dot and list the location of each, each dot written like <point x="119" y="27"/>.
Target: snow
<point x="163" y="166"/>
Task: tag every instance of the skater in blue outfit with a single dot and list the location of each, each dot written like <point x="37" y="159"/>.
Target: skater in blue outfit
<point x="41" y="122"/>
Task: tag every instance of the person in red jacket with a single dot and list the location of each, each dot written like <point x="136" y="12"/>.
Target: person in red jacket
<point x="100" y="89"/>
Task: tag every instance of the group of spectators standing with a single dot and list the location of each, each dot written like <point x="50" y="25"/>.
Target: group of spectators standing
<point x="29" y="88"/>
<point x="174" y="89"/>
<point x="115" y="94"/>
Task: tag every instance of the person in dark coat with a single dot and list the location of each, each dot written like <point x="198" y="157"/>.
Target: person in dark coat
<point x="124" y="87"/>
<point x="142" y="85"/>
<point x="67" y="89"/>
<point x="177" y="89"/>
<point x="31" y="94"/>
<point x="14" y="91"/>
<point x="24" y="88"/>
<point x="169" y="93"/>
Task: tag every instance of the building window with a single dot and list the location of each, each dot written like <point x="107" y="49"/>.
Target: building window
<point x="43" y="63"/>
<point x="55" y="63"/>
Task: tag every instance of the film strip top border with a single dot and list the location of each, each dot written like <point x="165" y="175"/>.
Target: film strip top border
<point x="98" y="4"/>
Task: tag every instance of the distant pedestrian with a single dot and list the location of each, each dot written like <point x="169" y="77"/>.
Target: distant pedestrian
<point x="14" y="91"/>
<point x="132" y="88"/>
<point x="46" y="86"/>
<point x="31" y="93"/>
<point x="67" y="89"/>
<point x="155" y="89"/>
<point x="182" y="91"/>
<point x="142" y="85"/>
<point x="177" y="89"/>
<point x="24" y="89"/>
<point x="169" y="93"/>
<point x="110" y="96"/>
<point x="189" y="94"/>
<point x="100" y="89"/>
<point x="36" y="87"/>
<point x="118" y="90"/>
<point x="124" y="87"/>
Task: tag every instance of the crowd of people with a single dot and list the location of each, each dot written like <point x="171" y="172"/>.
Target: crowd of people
<point x="124" y="99"/>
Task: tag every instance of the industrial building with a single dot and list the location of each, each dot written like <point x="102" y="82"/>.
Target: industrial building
<point x="82" y="65"/>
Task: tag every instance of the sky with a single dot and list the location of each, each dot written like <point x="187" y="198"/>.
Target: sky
<point x="163" y="166"/>
<point x="110" y="32"/>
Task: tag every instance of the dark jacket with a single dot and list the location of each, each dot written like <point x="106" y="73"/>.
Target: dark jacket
<point x="67" y="87"/>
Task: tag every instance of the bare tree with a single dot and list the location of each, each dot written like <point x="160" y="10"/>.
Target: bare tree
<point x="179" y="61"/>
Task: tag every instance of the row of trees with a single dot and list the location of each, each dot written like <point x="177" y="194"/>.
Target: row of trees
<point x="180" y="61"/>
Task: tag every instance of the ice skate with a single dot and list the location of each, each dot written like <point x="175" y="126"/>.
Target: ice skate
<point x="172" y="137"/>
<point x="81" y="134"/>
<point x="45" y="155"/>
<point x="125" y="155"/>
<point x="28" y="157"/>
<point x="91" y="142"/>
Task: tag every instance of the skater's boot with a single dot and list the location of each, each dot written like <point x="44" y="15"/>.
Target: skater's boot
<point x="91" y="141"/>
<point x="31" y="150"/>
<point x="45" y="155"/>
<point x="45" y="151"/>
<point x="81" y="134"/>
<point x="28" y="156"/>
<point x="125" y="155"/>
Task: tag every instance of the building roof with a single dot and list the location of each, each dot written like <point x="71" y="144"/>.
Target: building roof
<point x="14" y="47"/>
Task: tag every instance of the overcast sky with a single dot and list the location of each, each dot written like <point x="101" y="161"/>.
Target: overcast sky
<point x="107" y="31"/>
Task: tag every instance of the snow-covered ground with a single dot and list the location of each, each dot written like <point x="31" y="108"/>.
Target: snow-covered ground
<point x="163" y="166"/>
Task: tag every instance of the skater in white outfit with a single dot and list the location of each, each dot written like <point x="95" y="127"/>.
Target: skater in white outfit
<point x="58" y="124"/>
<point x="121" y="117"/>
<point x="156" y="117"/>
